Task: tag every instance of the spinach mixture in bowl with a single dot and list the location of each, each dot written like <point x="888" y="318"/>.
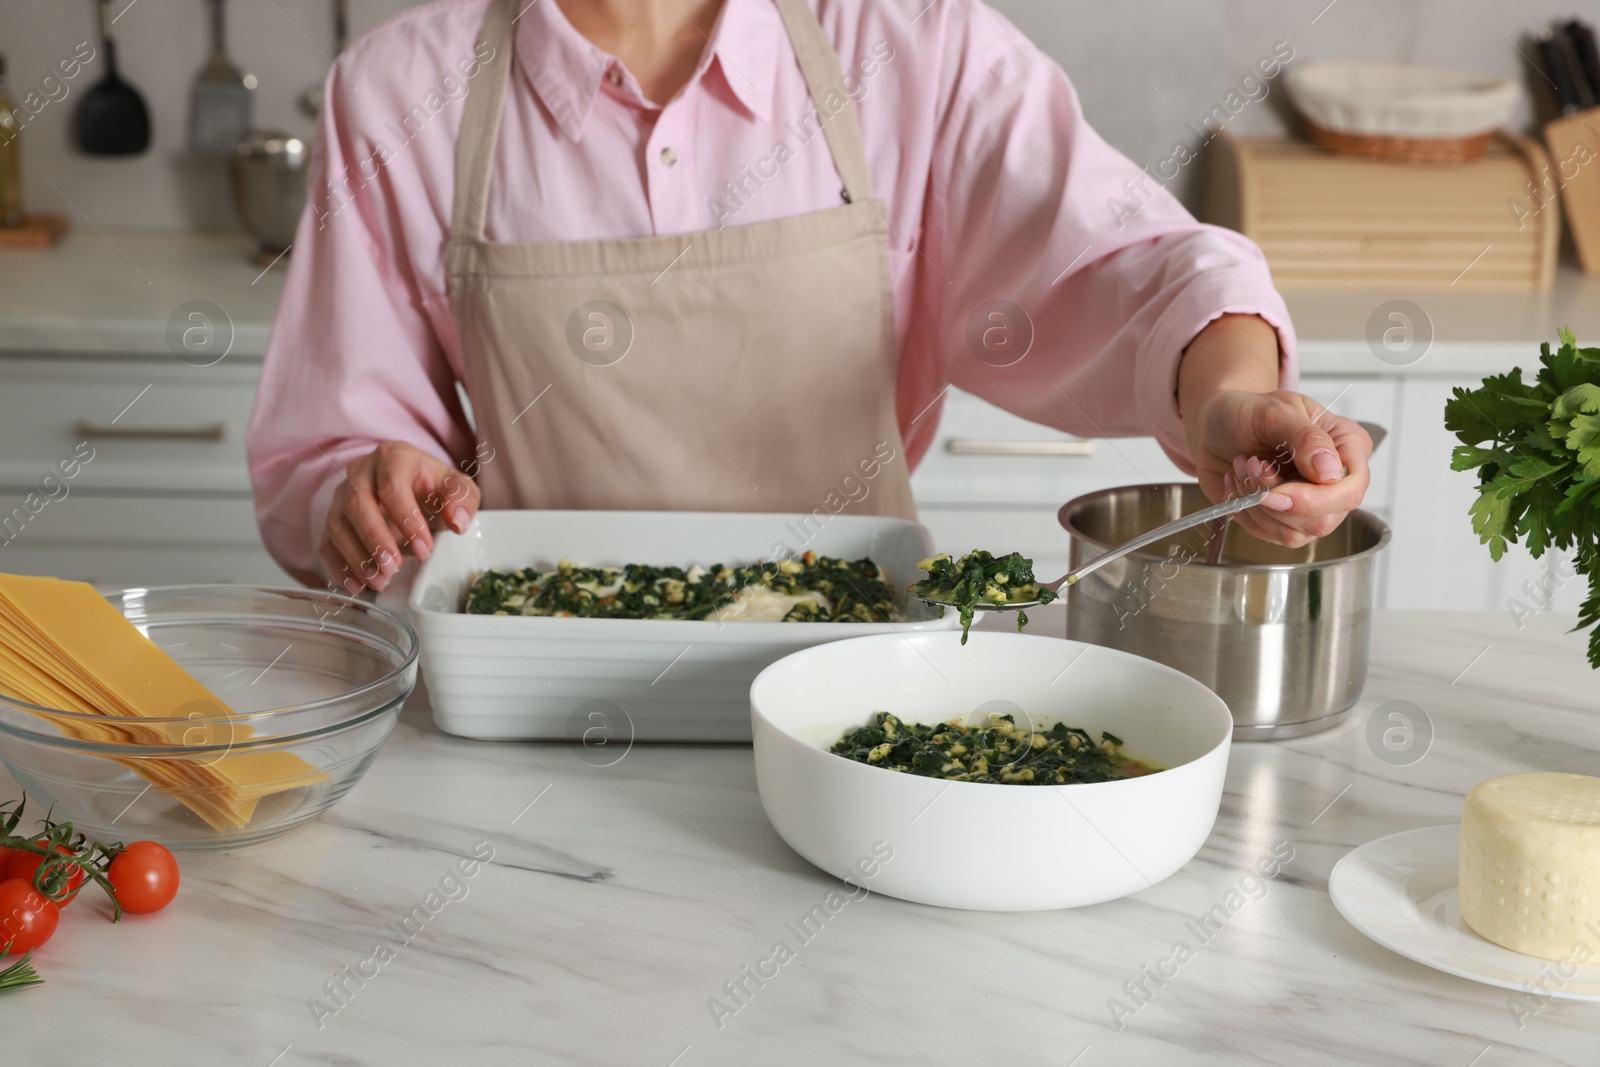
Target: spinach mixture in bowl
<point x="999" y="752"/>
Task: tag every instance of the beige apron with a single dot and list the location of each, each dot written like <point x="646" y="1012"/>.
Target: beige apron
<point x="744" y="369"/>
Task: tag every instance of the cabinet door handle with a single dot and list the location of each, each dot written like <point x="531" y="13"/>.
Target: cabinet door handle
<point x="215" y="431"/>
<point x="967" y="446"/>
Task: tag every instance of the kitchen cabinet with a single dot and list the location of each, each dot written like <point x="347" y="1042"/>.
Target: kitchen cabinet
<point x="88" y="368"/>
<point x="1435" y="560"/>
<point x="128" y="471"/>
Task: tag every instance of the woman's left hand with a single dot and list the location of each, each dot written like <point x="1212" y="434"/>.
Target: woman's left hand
<point x="1240" y="441"/>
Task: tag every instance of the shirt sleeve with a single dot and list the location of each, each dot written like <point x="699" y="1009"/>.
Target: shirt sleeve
<point x="1058" y="280"/>
<point x="353" y="358"/>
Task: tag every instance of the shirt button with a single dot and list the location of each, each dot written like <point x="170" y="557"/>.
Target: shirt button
<point x="614" y="76"/>
<point x="668" y="157"/>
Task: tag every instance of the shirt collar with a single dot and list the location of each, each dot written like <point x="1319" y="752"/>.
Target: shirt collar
<point x="560" y="63"/>
<point x="746" y="46"/>
<point x="565" y="68"/>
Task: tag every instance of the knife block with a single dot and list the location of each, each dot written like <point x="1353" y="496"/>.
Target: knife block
<point x="1574" y="143"/>
<point x="1332" y="221"/>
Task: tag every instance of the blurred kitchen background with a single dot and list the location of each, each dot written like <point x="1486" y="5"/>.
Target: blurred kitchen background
<point x="1143" y="71"/>
<point x="87" y="348"/>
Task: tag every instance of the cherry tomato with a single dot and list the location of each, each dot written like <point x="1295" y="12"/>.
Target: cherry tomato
<point x="25" y="865"/>
<point x="27" y="919"/>
<point x="11" y="856"/>
<point x="145" y="877"/>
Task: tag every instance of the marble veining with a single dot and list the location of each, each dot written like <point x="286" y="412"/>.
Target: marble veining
<point x="621" y="902"/>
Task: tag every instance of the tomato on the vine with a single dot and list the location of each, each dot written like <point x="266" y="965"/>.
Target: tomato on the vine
<point x="27" y="919"/>
<point x="144" y="877"/>
<point x="25" y="865"/>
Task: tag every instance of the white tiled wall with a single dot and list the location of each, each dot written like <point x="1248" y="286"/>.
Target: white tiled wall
<point x="1143" y="69"/>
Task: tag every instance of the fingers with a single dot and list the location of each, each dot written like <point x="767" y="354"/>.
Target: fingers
<point x="359" y="534"/>
<point x="1256" y="521"/>
<point x="1299" y="511"/>
<point x="346" y="558"/>
<point x="458" y="498"/>
<point x="390" y="499"/>
<point x="1315" y="455"/>
<point x="1316" y="503"/>
<point x="371" y="526"/>
<point x="396" y="475"/>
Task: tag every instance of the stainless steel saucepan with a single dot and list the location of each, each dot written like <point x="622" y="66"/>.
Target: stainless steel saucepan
<point x="1281" y="634"/>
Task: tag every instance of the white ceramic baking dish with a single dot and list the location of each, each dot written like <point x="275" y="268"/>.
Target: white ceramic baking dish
<point x="609" y="682"/>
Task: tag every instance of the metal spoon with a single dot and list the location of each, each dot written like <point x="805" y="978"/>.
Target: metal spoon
<point x="1197" y="518"/>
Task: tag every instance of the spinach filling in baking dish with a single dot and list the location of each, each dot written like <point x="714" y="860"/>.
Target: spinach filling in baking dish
<point x="999" y="752"/>
<point x="811" y="588"/>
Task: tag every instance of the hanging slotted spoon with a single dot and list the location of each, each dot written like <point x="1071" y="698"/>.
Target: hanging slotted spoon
<point x="1198" y="518"/>
<point x="222" y="100"/>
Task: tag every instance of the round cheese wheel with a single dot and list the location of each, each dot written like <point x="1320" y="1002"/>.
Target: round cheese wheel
<point x="1530" y="863"/>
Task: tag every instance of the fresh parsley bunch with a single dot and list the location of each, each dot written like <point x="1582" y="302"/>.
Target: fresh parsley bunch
<point x="1536" y="448"/>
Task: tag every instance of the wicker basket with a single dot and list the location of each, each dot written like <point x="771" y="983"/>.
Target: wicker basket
<point x="1400" y="112"/>
<point x="1400" y="149"/>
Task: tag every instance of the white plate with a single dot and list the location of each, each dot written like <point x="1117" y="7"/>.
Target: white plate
<point x="1401" y="892"/>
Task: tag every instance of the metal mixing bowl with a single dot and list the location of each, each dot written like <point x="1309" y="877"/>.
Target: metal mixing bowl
<point x="1281" y="634"/>
<point x="269" y="186"/>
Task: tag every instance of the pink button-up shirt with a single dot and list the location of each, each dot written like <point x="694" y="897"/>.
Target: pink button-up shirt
<point x="995" y="188"/>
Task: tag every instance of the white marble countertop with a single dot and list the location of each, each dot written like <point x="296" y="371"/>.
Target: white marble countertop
<point x="111" y="293"/>
<point x="1473" y="333"/>
<point x="620" y="899"/>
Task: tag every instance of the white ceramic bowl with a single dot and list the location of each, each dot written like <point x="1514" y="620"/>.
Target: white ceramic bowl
<point x="975" y="845"/>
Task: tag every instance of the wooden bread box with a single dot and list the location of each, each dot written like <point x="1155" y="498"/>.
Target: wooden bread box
<point x="1329" y="221"/>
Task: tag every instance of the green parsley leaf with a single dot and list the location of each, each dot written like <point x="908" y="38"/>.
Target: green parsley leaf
<point x="1536" y="449"/>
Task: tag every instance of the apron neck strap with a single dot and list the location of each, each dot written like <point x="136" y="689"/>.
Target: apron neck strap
<point x="819" y="64"/>
<point x="480" y="124"/>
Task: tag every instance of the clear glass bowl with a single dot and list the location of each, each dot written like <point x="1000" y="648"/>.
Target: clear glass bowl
<point x="315" y="674"/>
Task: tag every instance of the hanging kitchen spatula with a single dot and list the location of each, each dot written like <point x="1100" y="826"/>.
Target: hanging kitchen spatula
<point x="111" y="119"/>
<point x="222" y="103"/>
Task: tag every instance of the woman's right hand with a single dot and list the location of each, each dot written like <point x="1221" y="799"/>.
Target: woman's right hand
<point x="391" y="499"/>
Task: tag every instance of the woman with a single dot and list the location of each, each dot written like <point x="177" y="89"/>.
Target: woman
<point x="714" y="255"/>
